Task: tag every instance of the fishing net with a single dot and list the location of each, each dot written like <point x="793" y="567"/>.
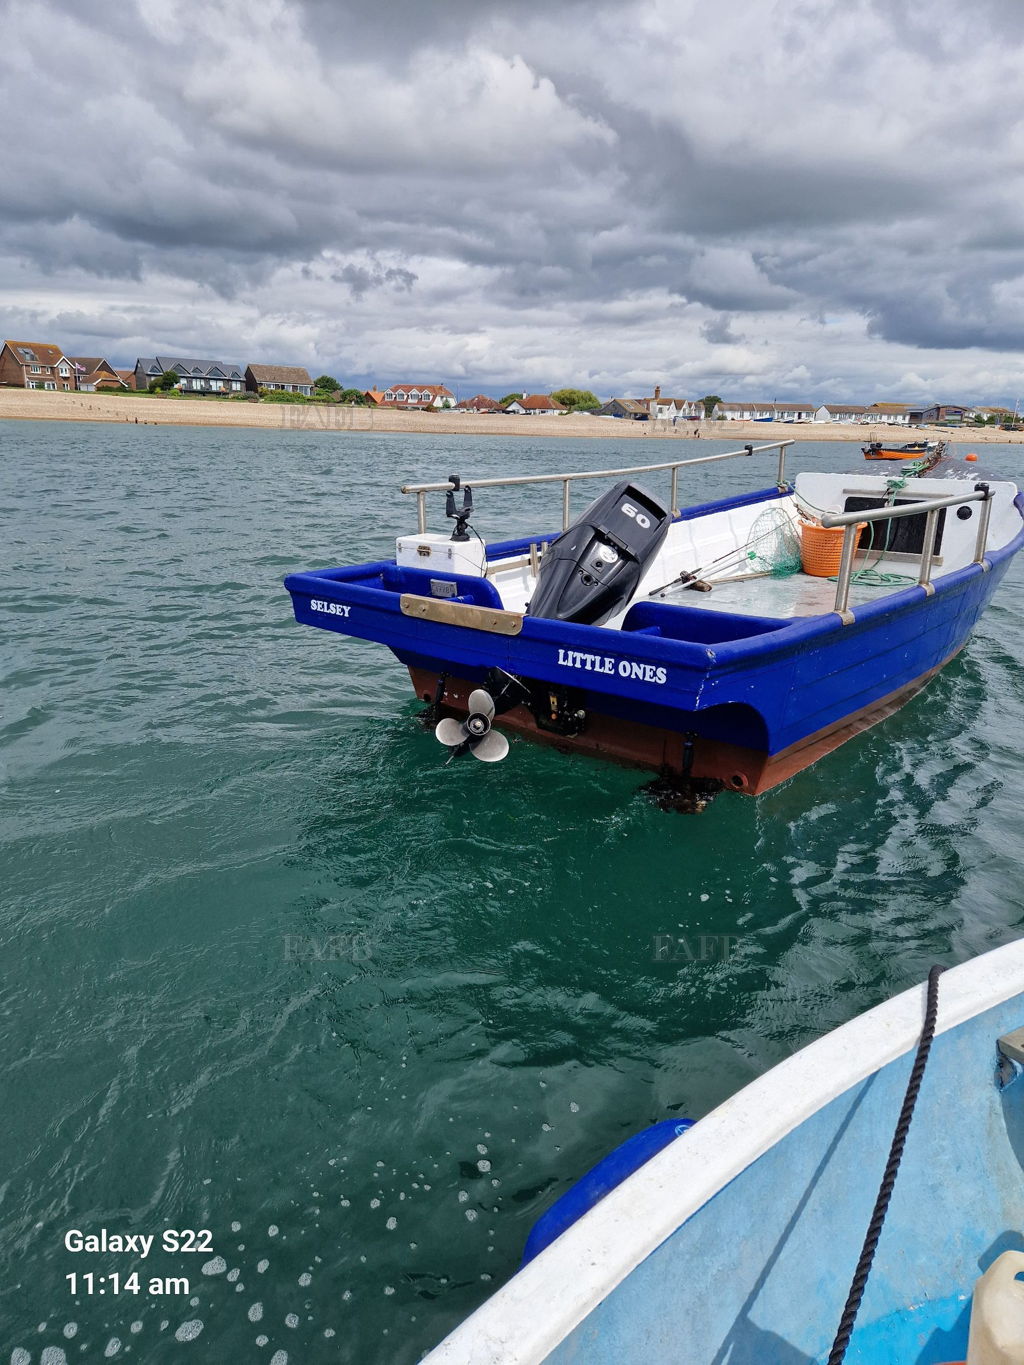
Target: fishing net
<point x="773" y="546"/>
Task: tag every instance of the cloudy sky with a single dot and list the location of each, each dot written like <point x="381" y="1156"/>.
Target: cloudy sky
<point x="792" y="199"/>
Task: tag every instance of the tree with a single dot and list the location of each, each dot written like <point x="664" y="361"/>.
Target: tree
<point x="170" y="379"/>
<point x="356" y="397"/>
<point x="576" y="400"/>
<point x="326" y="384"/>
<point x="510" y="398"/>
<point x="710" y="402"/>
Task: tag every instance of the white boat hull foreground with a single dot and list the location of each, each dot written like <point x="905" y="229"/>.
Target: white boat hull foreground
<point x="736" y="1244"/>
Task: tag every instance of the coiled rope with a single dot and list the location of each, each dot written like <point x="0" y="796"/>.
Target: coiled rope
<point x="899" y="1139"/>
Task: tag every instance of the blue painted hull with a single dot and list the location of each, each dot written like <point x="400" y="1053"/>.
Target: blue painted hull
<point x="745" y="700"/>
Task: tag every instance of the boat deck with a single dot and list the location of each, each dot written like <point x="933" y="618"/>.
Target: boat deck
<point x="797" y="595"/>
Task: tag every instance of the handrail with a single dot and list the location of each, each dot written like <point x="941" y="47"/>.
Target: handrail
<point x="931" y="508"/>
<point x="421" y="489"/>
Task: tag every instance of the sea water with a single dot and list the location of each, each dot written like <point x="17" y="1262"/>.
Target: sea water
<point x="277" y="974"/>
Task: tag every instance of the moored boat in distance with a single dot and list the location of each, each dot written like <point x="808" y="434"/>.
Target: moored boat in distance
<point x="912" y="450"/>
<point x="703" y="644"/>
<point x="738" y="1240"/>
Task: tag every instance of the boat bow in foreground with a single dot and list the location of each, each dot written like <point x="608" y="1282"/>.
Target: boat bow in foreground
<point x="736" y="1243"/>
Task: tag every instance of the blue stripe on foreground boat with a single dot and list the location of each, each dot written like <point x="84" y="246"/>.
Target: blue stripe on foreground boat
<point x="736" y="1244"/>
<point x="670" y="640"/>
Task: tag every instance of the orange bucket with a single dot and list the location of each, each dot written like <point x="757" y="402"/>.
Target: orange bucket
<point x="821" y="548"/>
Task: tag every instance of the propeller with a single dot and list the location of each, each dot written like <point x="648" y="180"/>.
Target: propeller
<point x="474" y="733"/>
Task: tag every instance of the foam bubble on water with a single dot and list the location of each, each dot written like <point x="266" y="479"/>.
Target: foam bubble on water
<point x="261" y="1340"/>
<point x="573" y="1107"/>
<point x="112" y="1347"/>
<point x="70" y="1328"/>
<point x="136" y="1327"/>
<point x="328" y="1332"/>
<point x="374" y="1203"/>
<point x="53" y="1355"/>
<point x="483" y="1166"/>
<point x="391" y="1224"/>
<point x="236" y="1227"/>
<point x="292" y="1320"/>
<point x="261" y="1266"/>
<point x="273" y="1230"/>
<point x="389" y="1289"/>
<point x="463" y="1197"/>
<point x="255" y="1311"/>
<point x="233" y="1275"/>
<point x="19" y="1356"/>
<point x="305" y="1278"/>
<point x="279" y="1358"/>
<point x="471" y="1215"/>
<point x="215" y="1267"/>
<point x="346" y="1203"/>
<point x="188" y="1331"/>
<point x="193" y="1303"/>
<point x="165" y="1324"/>
<point x="481" y="1149"/>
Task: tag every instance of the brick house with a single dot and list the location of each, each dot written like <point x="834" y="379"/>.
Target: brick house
<point x="279" y="378"/>
<point x="194" y="376"/>
<point x="36" y="365"/>
<point x="481" y="403"/>
<point x="92" y="373"/>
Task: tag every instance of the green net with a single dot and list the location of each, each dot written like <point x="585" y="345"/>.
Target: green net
<point x="773" y="546"/>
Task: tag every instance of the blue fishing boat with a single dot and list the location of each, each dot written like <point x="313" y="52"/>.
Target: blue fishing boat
<point x="776" y="1231"/>
<point x="716" y="645"/>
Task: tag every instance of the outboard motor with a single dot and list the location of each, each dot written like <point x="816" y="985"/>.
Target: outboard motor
<point x="592" y="570"/>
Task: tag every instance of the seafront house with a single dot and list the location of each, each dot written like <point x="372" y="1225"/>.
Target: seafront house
<point x="481" y="403"/>
<point x="839" y="412"/>
<point x="279" y="379"/>
<point x="745" y="412"/>
<point x="631" y="409"/>
<point x="937" y="413"/>
<point x="889" y="414"/>
<point x="417" y="396"/>
<point x="194" y="376"/>
<point x="36" y="365"/>
<point x="92" y="372"/>
<point x="534" y="405"/>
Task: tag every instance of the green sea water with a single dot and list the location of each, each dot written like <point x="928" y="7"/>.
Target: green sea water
<point x="274" y="970"/>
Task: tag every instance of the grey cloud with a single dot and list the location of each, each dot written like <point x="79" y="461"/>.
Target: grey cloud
<point x="601" y="183"/>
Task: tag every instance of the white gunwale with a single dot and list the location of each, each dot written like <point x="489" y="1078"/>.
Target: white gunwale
<point x="530" y="1315"/>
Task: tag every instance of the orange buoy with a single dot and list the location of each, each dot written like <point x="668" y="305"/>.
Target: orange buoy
<point x="972" y="457"/>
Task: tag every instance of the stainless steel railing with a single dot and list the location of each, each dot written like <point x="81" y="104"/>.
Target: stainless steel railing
<point x="422" y="489"/>
<point x="931" y="508"/>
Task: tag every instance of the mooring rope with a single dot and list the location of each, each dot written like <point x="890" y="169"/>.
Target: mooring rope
<point x="899" y="1139"/>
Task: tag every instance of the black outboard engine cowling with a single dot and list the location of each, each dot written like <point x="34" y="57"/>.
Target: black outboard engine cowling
<point x="592" y="570"/>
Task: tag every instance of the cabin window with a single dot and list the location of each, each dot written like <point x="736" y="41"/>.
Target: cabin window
<point x="902" y="536"/>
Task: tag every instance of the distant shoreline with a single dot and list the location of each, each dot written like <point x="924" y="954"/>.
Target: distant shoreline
<point x="21" y="405"/>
